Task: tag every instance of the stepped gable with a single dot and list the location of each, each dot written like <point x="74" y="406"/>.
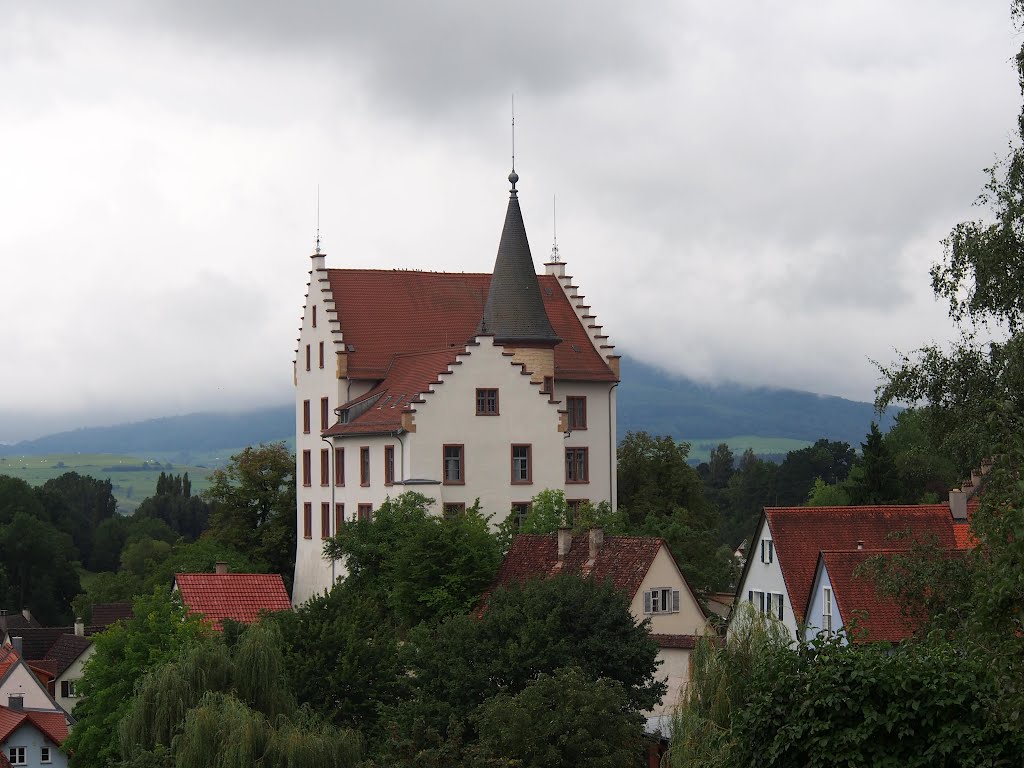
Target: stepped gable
<point x="623" y="560"/>
<point x="514" y="311"/>
<point x="801" y="533"/>
<point x="105" y="614"/>
<point x="385" y="313"/>
<point x="241" y="597"/>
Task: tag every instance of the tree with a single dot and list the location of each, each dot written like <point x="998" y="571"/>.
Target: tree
<point x="655" y="478"/>
<point x="159" y="630"/>
<point x="421" y="566"/>
<point x="78" y="504"/>
<point x="253" y="506"/>
<point x="873" y="481"/>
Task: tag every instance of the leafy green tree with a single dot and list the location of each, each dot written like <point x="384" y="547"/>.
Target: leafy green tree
<point x="107" y="542"/>
<point x="829" y="460"/>
<point x="655" y="478"/>
<point x="421" y="566"/>
<point x="923" y="473"/>
<point x="874" y="480"/>
<point x="157" y="633"/>
<point x="751" y="488"/>
<point x="77" y="504"/>
<point x="174" y="504"/>
<point x="721" y="465"/>
<point x="562" y="718"/>
<point x="253" y="506"/>
<point x="824" y="495"/>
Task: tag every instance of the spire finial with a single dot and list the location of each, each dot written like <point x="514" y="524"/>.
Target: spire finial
<point x="317" y="219"/>
<point x="554" y="228"/>
<point x="513" y="177"/>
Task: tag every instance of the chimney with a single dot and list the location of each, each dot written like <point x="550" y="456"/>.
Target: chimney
<point x="958" y="504"/>
<point x="860" y="544"/>
<point x="27" y="614"/>
<point x="16" y="642"/>
<point x="596" y="541"/>
<point x="221" y="568"/>
<point x="564" y="542"/>
<point x="79" y="627"/>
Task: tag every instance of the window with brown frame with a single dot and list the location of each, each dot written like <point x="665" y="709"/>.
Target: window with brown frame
<point x="339" y="516"/>
<point x="520" y="509"/>
<point x="453" y="509"/>
<point x="314" y="315"/>
<point x="389" y="465"/>
<point x="453" y="465"/>
<point x="577" y="465"/>
<point x="572" y="507"/>
<point x="325" y="466"/>
<point x="307" y="357"/>
<point x="325" y="413"/>
<point x="487" y="402"/>
<point x="364" y="465"/>
<point x="307" y="520"/>
<point x="365" y="512"/>
<point x="307" y="469"/>
<point x="339" y="466"/>
<point x="321" y="354"/>
<point x="577" y="407"/>
<point x="325" y="520"/>
<point x="522" y="464"/>
<point x="549" y="387"/>
<point x="305" y="417"/>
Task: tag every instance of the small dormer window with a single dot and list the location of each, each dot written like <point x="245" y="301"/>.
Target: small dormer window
<point x="343" y="415"/>
<point x="661" y="600"/>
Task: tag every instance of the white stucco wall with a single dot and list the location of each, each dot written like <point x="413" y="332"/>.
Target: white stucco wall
<point x="72" y="673"/>
<point x="817" y="602"/>
<point x="21" y="681"/>
<point x="674" y="670"/>
<point x="766" y="577"/>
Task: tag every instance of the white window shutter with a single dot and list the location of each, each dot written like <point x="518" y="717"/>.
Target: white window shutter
<point x="647" y="601"/>
<point x="675" y="601"/>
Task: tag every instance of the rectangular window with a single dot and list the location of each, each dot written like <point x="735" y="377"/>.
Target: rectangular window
<point x="44" y="755"/>
<point x="572" y="509"/>
<point x="321" y="354"/>
<point x="305" y="417"/>
<point x="307" y="357"/>
<point x="67" y="689"/>
<point x="325" y="520"/>
<point x="364" y="465"/>
<point x="577" y="465"/>
<point x="307" y="469"/>
<point x="365" y="512"/>
<point x="454" y="469"/>
<point x="389" y="465"/>
<point x="661" y="600"/>
<point x="325" y="413"/>
<point x="520" y="509"/>
<point x="17" y="756"/>
<point x="453" y="509"/>
<point x="339" y="466"/>
<point x="549" y="387"/>
<point x="577" y="407"/>
<point x="487" y="402"/>
<point x="767" y="551"/>
<point x="522" y="464"/>
<point x="339" y="516"/>
<point x="325" y="466"/>
<point x="307" y="520"/>
<point x="314" y="315"/>
<point x="826" y="609"/>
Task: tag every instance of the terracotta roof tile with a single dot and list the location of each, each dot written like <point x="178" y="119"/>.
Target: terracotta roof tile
<point x="623" y="560"/>
<point x="105" y="614"/>
<point x="8" y="658"/>
<point x="52" y="724"/>
<point x="238" y="596"/>
<point x="801" y="533"/>
<point x="384" y="313"/>
<point x="675" y="641"/>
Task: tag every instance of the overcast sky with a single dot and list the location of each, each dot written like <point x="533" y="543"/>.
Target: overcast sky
<point x="747" y="191"/>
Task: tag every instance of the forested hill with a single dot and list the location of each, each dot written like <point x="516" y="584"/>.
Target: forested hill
<point x="665" y="404"/>
<point x="648" y="399"/>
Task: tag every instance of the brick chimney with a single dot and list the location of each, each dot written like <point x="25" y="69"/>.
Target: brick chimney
<point x="596" y="541"/>
<point x="564" y="543"/>
<point x="79" y="627"/>
<point x="221" y="568"/>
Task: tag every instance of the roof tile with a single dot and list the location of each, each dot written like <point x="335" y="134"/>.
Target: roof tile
<point x="238" y="596"/>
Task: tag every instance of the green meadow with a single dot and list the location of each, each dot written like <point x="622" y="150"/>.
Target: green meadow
<point x="700" y="448"/>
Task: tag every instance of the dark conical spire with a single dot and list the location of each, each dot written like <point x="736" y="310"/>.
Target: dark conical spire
<point x="514" y="311"/>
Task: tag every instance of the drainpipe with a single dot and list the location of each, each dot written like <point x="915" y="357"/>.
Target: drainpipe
<point x="611" y="452"/>
<point x="401" y="463"/>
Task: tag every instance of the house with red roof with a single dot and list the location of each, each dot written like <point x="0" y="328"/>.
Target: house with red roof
<point x="643" y="569"/>
<point x="788" y="545"/>
<point x="492" y="385"/>
<point x="32" y="738"/>
<point x="242" y="597"/>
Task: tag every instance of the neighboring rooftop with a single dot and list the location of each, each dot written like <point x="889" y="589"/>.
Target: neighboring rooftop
<point x="241" y="597"/>
<point x="105" y="614"/>
<point x="53" y="725"/>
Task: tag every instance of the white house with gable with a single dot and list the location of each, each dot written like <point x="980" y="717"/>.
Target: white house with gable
<point x="458" y="385"/>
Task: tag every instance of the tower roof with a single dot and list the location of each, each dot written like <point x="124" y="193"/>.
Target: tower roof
<point x="514" y="311"/>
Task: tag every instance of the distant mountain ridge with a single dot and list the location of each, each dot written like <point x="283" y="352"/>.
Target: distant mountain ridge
<point x="648" y="399"/>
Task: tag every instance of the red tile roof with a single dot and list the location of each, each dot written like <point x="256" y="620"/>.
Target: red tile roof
<point x="687" y="642"/>
<point x="800" y="533"/>
<point x="624" y="560"/>
<point x="963" y="536"/>
<point x="238" y="596"/>
<point x="8" y="658"/>
<point x="105" y="614"/>
<point x="385" y="313"/>
<point x="53" y="725"/>
<point x="868" y="616"/>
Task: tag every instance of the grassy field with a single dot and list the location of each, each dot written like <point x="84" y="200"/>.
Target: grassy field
<point x="133" y="477"/>
<point x="700" y="449"/>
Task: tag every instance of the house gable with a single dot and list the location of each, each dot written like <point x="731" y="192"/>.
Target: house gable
<point x="763" y="576"/>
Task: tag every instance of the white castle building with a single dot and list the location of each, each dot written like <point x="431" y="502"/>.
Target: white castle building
<point x="458" y="385"/>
